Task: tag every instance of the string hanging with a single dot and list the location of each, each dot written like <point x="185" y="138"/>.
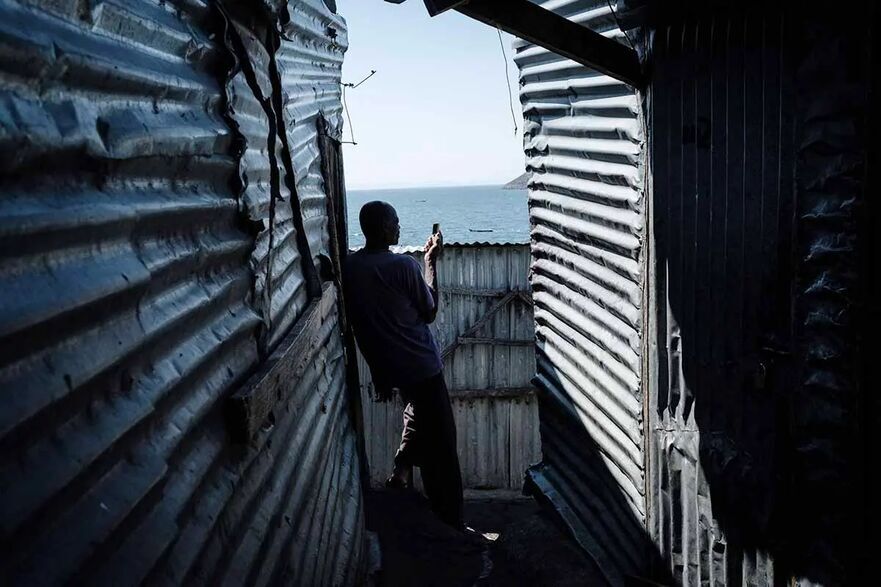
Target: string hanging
<point x="507" y="80"/>
<point x="346" y="106"/>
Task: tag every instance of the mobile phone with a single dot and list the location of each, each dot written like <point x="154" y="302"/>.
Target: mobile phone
<point x="435" y="228"/>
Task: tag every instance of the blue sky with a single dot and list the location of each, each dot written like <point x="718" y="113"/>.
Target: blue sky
<point x="436" y="112"/>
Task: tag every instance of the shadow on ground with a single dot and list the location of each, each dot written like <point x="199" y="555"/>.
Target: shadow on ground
<point x="521" y="543"/>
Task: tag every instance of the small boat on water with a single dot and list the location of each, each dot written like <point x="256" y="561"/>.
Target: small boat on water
<point x="480" y="230"/>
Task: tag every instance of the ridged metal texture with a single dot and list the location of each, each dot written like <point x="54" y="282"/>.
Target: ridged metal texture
<point x="830" y="532"/>
<point x="584" y="146"/>
<point x="126" y="320"/>
<point x="757" y="165"/>
<point x="282" y="179"/>
<point x="722" y="128"/>
<point x="497" y="432"/>
<point x="310" y="61"/>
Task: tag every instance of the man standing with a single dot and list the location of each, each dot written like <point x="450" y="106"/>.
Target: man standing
<point x="390" y="304"/>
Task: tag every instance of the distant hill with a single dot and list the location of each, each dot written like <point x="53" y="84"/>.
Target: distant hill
<point x="519" y="183"/>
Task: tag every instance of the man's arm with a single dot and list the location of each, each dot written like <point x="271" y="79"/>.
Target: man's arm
<point x="431" y="250"/>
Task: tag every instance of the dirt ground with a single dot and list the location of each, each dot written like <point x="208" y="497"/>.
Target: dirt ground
<point x="513" y="542"/>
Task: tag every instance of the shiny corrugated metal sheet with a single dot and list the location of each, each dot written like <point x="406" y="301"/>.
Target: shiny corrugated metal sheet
<point x="280" y="288"/>
<point x="584" y="146"/>
<point x="125" y="320"/>
<point x="497" y="433"/>
<point x="288" y="510"/>
<point x="310" y="61"/>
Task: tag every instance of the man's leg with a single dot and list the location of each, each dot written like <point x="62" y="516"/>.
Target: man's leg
<point x="407" y="455"/>
<point x="439" y="459"/>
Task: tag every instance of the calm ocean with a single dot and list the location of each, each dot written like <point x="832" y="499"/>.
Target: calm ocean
<point x="466" y="214"/>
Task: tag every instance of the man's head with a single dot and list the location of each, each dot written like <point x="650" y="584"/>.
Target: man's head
<point x="379" y="223"/>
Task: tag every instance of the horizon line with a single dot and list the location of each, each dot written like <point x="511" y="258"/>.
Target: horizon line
<point x="409" y="187"/>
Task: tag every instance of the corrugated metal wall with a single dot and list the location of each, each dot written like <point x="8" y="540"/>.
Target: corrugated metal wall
<point x="722" y="131"/>
<point x="751" y="389"/>
<point x="310" y="59"/>
<point x="584" y="146"/>
<point x="493" y="402"/>
<point x="828" y="517"/>
<point x="757" y="163"/>
<point x="135" y="301"/>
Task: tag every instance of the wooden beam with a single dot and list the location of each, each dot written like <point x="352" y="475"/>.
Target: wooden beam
<point x="249" y="408"/>
<point x="492" y="311"/>
<point x="503" y="393"/>
<point x="496" y="341"/>
<point x="435" y="7"/>
<point x="469" y="291"/>
<point x="555" y="33"/>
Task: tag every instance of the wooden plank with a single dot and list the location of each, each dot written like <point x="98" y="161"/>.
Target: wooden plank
<point x="473" y="291"/>
<point x="435" y="7"/>
<point x="558" y="34"/>
<point x="249" y="408"/>
<point x="490" y="340"/>
<point x="510" y="393"/>
<point x="498" y="305"/>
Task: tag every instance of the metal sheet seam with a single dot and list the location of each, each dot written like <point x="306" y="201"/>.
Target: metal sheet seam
<point x="274" y="111"/>
<point x="237" y="52"/>
<point x="309" y="270"/>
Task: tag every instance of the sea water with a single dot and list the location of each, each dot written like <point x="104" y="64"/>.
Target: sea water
<point x="466" y="214"/>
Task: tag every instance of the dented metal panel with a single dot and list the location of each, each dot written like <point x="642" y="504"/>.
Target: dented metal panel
<point x="310" y="60"/>
<point x="584" y="143"/>
<point x="132" y="306"/>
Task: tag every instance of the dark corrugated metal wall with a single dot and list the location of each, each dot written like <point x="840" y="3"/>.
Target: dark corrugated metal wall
<point x="135" y="300"/>
<point x="757" y="164"/>
<point x="722" y="132"/>
<point x="584" y="146"/>
<point x="833" y="80"/>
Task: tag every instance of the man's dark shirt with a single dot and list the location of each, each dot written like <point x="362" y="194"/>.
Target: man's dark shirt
<point x="390" y="305"/>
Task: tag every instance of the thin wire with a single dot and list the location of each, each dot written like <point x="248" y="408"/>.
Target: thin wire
<point x="645" y="132"/>
<point x="346" y="106"/>
<point x="618" y="24"/>
<point x="346" y="109"/>
<point x="508" y="81"/>
<point x="370" y="75"/>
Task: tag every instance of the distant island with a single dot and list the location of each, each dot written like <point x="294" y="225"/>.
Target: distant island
<point x="519" y="183"/>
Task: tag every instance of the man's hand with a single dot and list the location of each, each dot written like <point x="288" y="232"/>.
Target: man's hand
<point x="432" y="247"/>
<point x="431" y="250"/>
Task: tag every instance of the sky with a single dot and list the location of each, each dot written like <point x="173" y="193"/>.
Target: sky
<point x="436" y="113"/>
